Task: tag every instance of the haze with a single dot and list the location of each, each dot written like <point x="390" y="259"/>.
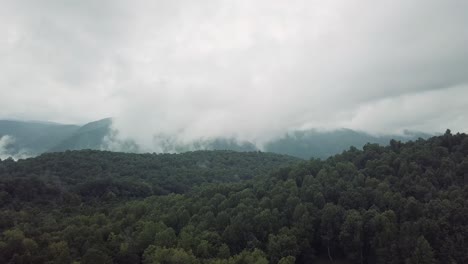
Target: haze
<point x="252" y="70"/>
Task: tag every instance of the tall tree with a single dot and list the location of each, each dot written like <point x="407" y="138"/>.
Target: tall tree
<point x="422" y="253"/>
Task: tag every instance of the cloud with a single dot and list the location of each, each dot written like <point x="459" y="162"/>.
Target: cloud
<point x="245" y="69"/>
<point x="5" y="142"/>
<point x="6" y="149"/>
<point x="434" y="110"/>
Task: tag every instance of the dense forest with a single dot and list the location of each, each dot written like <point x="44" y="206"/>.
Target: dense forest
<point x="93" y="175"/>
<point x="402" y="203"/>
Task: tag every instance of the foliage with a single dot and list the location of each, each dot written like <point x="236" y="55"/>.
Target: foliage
<point x="404" y="203"/>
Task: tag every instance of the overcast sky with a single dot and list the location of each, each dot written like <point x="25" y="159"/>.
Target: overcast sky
<point x="250" y="69"/>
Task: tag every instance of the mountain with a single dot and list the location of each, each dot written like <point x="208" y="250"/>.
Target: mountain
<point x="402" y="203"/>
<point x="318" y="144"/>
<point x="32" y="138"/>
<point x="38" y="138"/>
<point x="89" y="136"/>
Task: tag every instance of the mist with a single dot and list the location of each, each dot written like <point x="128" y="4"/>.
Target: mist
<point x="6" y="144"/>
<point x="249" y="70"/>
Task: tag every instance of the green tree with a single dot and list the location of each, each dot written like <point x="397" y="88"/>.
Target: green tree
<point x="256" y="257"/>
<point x="282" y="245"/>
<point x="351" y="236"/>
<point x="60" y="252"/>
<point x="158" y="255"/>
<point x="224" y="252"/>
<point x="386" y="235"/>
<point x="330" y="226"/>
<point x="422" y="253"/>
<point x="165" y="238"/>
<point x="287" y="260"/>
<point x="93" y="256"/>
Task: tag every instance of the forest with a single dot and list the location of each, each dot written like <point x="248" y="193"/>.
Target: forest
<point x="401" y="203"/>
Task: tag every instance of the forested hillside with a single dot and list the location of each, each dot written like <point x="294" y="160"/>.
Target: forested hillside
<point x="403" y="203"/>
<point x="97" y="175"/>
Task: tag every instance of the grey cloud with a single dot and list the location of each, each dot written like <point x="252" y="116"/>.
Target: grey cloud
<point x="246" y="69"/>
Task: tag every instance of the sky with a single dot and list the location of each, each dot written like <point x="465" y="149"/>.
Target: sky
<point x="252" y="70"/>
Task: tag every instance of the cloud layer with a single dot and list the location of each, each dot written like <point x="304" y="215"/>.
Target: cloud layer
<point x="247" y="69"/>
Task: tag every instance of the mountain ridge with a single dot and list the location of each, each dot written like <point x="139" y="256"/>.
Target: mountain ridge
<point x="35" y="137"/>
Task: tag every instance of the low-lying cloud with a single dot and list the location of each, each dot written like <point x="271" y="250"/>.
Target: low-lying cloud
<point x="251" y="70"/>
<point x="6" y="149"/>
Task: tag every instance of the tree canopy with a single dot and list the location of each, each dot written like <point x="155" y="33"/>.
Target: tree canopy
<point x="404" y="203"/>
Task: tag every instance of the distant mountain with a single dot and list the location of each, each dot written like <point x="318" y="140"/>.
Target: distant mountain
<point x="30" y="138"/>
<point x="89" y="136"/>
<point x="302" y="144"/>
<point x="218" y="144"/>
<point x="318" y="144"/>
<point x="34" y="138"/>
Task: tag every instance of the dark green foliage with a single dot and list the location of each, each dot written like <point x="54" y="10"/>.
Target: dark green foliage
<point x="93" y="256"/>
<point x="156" y="255"/>
<point x="422" y="253"/>
<point x="72" y="176"/>
<point x="405" y="203"/>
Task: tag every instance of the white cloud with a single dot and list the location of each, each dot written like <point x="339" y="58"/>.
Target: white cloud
<point x="6" y="143"/>
<point x="248" y="69"/>
<point x="432" y="111"/>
